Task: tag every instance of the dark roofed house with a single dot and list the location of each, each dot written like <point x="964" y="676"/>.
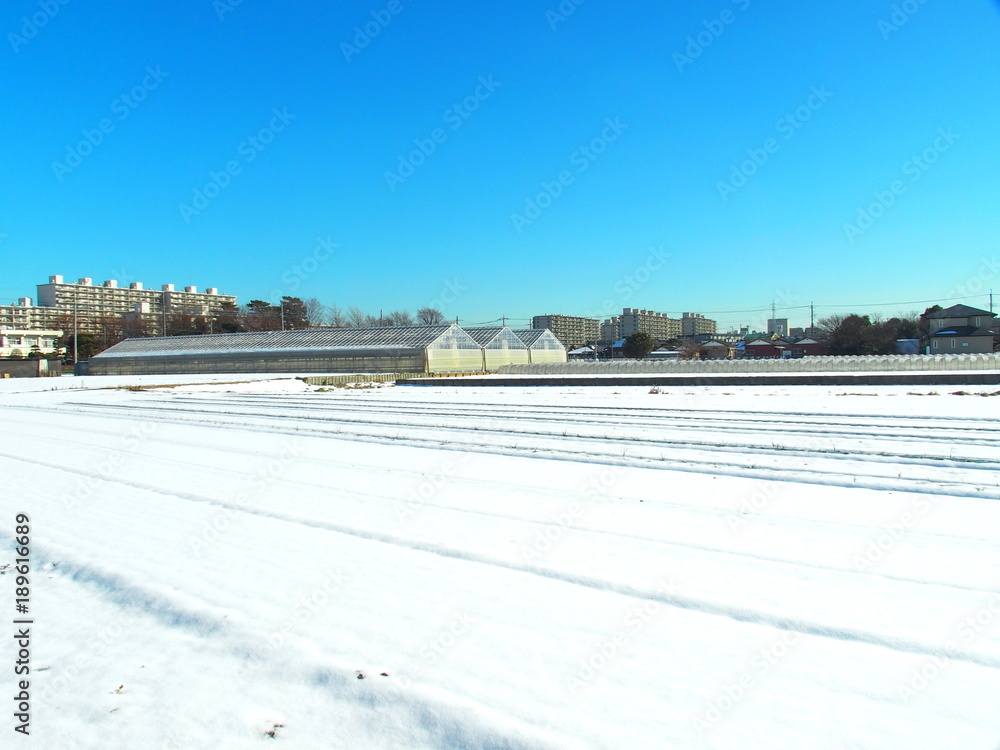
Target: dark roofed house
<point x="960" y="329"/>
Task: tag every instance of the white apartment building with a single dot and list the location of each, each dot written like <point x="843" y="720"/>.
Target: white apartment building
<point x="92" y="303"/>
<point x="21" y="341"/>
<point x="694" y="324"/>
<point x="656" y="324"/>
<point x="611" y="330"/>
<point x="572" y="331"/>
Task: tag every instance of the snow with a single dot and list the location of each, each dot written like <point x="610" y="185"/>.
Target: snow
<point x="592" y="567"/>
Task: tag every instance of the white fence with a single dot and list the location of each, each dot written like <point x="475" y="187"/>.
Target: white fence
<point x="887" y="363"/>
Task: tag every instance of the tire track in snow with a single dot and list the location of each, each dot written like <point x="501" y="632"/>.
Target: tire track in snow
<point x="802" y="473"/>
<point x="353" y="494"/>
<point x="956" y="435"/>
<point x="447" y="717"/>
<point x="696" y="510"/>
<point x="754" y="616"/>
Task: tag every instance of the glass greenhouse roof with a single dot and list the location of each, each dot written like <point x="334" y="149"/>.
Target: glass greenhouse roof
<point x="388" y="338"/>
<point x="495" y="338"/>
<point x="539" y="338"/>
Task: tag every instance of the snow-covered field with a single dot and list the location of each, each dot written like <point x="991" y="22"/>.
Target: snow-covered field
<point x="437" y="567"/>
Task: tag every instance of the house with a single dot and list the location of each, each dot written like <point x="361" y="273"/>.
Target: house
<point x="764" y="348"/>
<point x="960" y="329"/>
<point x="714" y="350"/>
<point x="807" y="348"/>
<point x="664" y="352"/>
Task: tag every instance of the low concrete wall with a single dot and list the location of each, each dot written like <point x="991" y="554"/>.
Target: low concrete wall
<point x="872" y="364"/>
<point x="844" y="379"/>
<point x="323" y="380"/>
<point x="28" y="368"/>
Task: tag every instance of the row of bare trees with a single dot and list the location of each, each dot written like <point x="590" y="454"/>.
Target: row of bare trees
<point x="294" y="313"/>
<point x="290" y="313"/>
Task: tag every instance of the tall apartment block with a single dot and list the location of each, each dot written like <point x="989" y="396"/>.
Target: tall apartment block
<point x="571" y="331"/>
<point x="91" y="303"/>
<point x="693" y="324"/>
<point x="611" y="330"/>
<point x="656" y="324"/>
<point x="778" y="326"/>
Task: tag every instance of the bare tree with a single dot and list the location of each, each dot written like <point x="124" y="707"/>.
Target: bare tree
<point x="400" y="318"/>
<point x="317" y="313"/>
<point x="356" y="317"/>
<point x="336" y="317"/>
<point x="428" y="316"/>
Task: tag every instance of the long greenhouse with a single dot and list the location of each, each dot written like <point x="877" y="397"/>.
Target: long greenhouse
<point x="427" y="349"/>
<point x="543" y="346"/>
<point x="501" y="346"/>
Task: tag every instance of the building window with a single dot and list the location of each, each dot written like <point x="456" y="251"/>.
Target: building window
<point x="953" y="343"/>
<point x="977" y="322"/>
<point x="934" y="343"/>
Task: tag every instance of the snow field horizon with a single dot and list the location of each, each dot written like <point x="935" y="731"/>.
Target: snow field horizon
<point x="511" y="567"/>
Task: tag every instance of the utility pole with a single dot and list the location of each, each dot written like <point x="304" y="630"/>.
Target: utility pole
<point x="812" y="317"/>
<point x="503" y="320"/>
<point x="281" y="306"/>
<point x="991" y="300"/>
<point x="76" y="327"/>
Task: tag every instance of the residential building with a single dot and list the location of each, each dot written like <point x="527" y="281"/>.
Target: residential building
<point x="778" y="326"/>
<point x="714" y="349"/>
<point x="571" y="331"/>
<point x="656" y="324"/>
<point x="809" y="332"/>
<point x="611" y="330"/>
<point x="95" y="304"/>
<point x="693" y="324"/>
<point x="23" y="315"/>
<point x="23" y="341"/>
<point x="960" y="329"/>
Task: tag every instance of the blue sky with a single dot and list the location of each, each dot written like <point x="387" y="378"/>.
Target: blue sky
<point x="508" y="159"/>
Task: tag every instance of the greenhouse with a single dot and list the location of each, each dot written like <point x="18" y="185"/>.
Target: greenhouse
<point x="410" y="349"/>
<point x="542" y="345"/>
<point x="501" y="346"/>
